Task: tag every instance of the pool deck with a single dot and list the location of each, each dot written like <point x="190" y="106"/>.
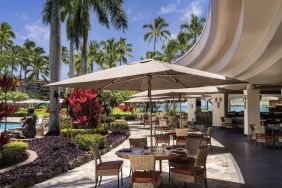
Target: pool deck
<point x="222" y="169"/>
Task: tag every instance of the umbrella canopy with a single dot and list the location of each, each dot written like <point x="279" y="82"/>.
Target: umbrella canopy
<point x="60" y="101"/>
<point x="186" y="91"/>
<point x="146" y="75"/>
<point x="31" y="101"/>
<point x="136" y="77"/>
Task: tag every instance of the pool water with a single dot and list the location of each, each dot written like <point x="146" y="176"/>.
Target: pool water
<point x="9" y="125"/>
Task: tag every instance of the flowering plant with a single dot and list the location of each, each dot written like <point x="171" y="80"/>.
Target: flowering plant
<point x="125" y="107"/>
<point x="85" y="107"/>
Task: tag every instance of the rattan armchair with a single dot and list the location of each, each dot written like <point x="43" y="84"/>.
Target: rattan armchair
<point x="261" y="137"/>
<point x="138" y="142"/>
<point x="109" y="168"/>
<point x="207" y="138"/>
<point x="192" y="146"/>
<point x="228" y="124"/>
<point x="162" y="139"/>
<point x="194" y="174"/>
<point x="144" y="174"/>
<point x="181" y="136"/>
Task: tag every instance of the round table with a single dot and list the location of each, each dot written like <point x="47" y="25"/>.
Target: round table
<point x="160" y="154"/>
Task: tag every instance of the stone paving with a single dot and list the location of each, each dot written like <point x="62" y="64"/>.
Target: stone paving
<point x="222" y="170"/>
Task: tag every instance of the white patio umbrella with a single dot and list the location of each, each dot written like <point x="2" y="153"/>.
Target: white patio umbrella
<point x="146" y="75"/>
<point x="31" y="101"/>
<point x="186" y="91"/>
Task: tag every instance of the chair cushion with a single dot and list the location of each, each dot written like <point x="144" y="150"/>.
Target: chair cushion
<point x="162" y="137"/>
<point x="181" y="138"/>
<point x="206" y="138"/>
<point x="187" y="171"/>
<point x="185" y="159"/>
<point x="109" y="165"/>
<point x="146" y="177"/>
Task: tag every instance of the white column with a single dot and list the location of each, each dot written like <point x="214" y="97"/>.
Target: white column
<point x="191" y="109"/>
<point x="252" y="107"/>
<point x="219" y="108"/>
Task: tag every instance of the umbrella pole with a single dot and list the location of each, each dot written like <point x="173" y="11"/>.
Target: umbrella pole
<point x="180" y="117"/>
<point x="150" y="110"/>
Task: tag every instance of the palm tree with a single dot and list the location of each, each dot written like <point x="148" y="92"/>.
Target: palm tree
<point x="54" y="18"/>
<point x="195" y="27"/>
<point x="124" y="51"/>
<point x="183" y="39"/>
<point x="15" y="57"/>
<point x="169" y="51"/>
<point x="28" y="50"/>
<point x="94" y="48"/>
<point x="156" y="31"/>
<point x="72" y="36"/>
<point x="108" y="56"/>
<point x="39" y="69"/>
<point x="6" y="36"/>
<point x="106" y="10"/>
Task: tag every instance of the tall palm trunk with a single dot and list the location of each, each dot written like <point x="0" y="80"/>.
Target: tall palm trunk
<point x="155" y="41"/>
<point x="71" y="63"/>
<point x="83" y="69"/>
<point x="54" y="64"/>
<point x="21" y="69"/>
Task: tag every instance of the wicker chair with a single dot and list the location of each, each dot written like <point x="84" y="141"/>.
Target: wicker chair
<point x="261" y="137"/>
<point x="200" y="129"/>
<point x="192" y="146"/>
<point x="109" y="168"/>
<point x="253" y="133"/>
<point x="138" y="142"/>
<point x="181" y="136"/>
<point x="161" y="125"/>
<point x="162" y="139"/>
<point x="139" y="117"/>
<point x="194" y="174"/>
<point x="207" y="139"/>
<point x="228" y="124"/>
<point x="144" y="174"/>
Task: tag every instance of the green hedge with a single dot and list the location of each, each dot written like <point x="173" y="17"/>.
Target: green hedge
<point x="119" y="124"/>
<point x="129" y="118"/>
<point x="12" y="153"/>
<point x="84" y="141"/>
<point x="101" y="129"/>
<point x="108" y="119"/>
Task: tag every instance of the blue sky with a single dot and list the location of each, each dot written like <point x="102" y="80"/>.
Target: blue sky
<point x="25" y="18"/>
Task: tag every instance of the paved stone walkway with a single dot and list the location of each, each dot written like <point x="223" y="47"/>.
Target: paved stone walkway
<point x="222" y="170"/>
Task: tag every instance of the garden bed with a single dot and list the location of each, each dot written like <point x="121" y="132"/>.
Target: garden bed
<point x="55" y="156"/>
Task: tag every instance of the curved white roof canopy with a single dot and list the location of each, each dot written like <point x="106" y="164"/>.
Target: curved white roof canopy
<point x="241" y="39"/>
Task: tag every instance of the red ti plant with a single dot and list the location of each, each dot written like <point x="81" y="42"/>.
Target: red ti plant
<point x="125" y="107"/>
<point x="6" y="84"/>
<point x="85" y="107"/>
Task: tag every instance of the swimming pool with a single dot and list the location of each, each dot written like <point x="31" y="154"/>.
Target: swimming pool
<point x="9" y="125"/>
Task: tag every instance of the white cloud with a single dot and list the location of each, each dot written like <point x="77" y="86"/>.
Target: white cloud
<point x="173" y="35"/>
<point x="170" y="8"/>
<point x="195" y="7"/>
<point x="140" y="16"/>
<point x="21" y="15"/>
<point x="37" y="32"/>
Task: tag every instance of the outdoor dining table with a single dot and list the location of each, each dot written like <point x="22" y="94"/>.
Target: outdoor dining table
<point x="161" y="153"/>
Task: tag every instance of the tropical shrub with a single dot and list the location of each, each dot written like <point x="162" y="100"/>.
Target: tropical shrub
<point x="119" y="124"/>
<point x="129" y="118"/>
<point x="84" y="141"/>
<point x="116" y="111"/>
<point x="4" y="139"/>
<point x="85" y="107"/>
<point x="106" y="119"/>
<point x="13" y="96"/>
<point x="101" y="129"/>
<point x="12" y="153"/>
